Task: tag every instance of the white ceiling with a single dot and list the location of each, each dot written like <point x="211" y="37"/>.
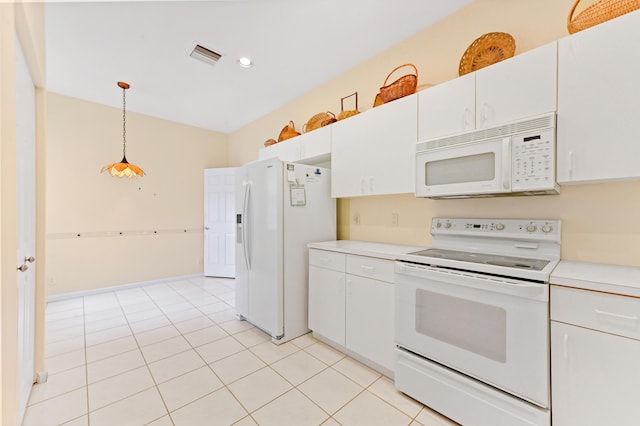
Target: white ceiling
<point x="296" y="45"/>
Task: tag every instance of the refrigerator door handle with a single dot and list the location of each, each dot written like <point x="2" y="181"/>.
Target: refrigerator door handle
<point x="245" y="210"/>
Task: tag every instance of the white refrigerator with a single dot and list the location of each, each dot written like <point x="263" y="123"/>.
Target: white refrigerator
<point x="280" y="208"/>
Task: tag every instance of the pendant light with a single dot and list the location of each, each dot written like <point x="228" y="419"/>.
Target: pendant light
<point x="123" y="168"/>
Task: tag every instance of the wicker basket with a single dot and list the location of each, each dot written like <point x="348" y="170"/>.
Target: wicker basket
<point x="288" y="132"/>
<point x="319" y="120"/>
<point x="378" y="100"/>
<point x="487" y="50"/>
<point x="598" y="12"/>
<point x="269" y="142"/>
<point x="405" y="85"/>
<point x="350" y="112"/>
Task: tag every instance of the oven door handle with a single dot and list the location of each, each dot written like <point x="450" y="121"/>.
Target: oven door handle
<point x="527" y="290"/>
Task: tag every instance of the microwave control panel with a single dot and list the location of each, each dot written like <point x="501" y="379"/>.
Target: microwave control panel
<point x="533" y="161"/>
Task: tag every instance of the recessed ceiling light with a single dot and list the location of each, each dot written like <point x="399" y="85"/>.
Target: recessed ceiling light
<point x="205" y="55"/>
<point x="245" y="62"/>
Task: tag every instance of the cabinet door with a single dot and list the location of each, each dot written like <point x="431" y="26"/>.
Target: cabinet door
<point x="447" y="108"/>
<point x="598" y="102"/>
<point x="370" y="319"/>
<point x="373" y="153"/>
<point x="327" y="303"/>
<point x="288" y="150"/>
<point x="594" y="377"/>
<point x="519" y="87"/>
<point x="316" y="145"/>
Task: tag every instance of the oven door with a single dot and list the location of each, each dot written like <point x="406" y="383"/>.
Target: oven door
<point x="471" y="169"/>
<point x="490" y="328"/>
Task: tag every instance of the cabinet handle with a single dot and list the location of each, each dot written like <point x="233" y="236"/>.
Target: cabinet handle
<point x="565" y="346"/>
<point x="362" y="185"/>
<point x="483" y="114"/>
<point x="323" y="260"/>
<point x="466" y="119"/>
<point x="570" y="164"/>
<point x="371" y="184"/>
<point x="620" y="316"/>
<point x="367" y="268"/>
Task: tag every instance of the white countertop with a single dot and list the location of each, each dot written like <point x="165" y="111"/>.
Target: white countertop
<point x="623" y="280"/>
<point x="365" y="248"/>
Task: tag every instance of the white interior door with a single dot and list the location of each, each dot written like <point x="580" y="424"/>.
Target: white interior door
<point x="219" y="222"/>
<point x="26" y="187"/>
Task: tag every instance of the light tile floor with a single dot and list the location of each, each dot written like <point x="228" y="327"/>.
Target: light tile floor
<point x="175" y="354"/>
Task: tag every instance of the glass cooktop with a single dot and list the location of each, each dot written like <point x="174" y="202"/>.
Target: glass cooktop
<point x="485" y="259"/>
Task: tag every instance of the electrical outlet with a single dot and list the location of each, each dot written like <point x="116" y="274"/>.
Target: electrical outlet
<point x="395" y="219"/>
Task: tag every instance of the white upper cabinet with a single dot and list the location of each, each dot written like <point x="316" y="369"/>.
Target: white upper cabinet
<point x="599" y="102"/>
<point x="373" y="153"/>
<point x="520" y="87"/>
<point x="313" y="147"/>
<point x="447" y="108"/>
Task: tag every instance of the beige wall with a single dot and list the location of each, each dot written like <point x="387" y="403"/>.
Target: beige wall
<point x="82" y="137"/>
<point x="27" y="21"/>
<point x="599" y="220"/>
<point x="436" y="52"/>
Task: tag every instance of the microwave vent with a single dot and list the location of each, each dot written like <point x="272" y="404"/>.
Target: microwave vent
<point x="536" y="123"/>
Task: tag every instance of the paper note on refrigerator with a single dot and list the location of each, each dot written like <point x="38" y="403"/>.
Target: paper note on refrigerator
<point x="298" y="195"/>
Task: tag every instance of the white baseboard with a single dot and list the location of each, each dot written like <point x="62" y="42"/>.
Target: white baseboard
<point x="73" y="294"/>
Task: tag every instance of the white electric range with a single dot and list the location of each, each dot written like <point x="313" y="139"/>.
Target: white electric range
<point x="472" y="320"/>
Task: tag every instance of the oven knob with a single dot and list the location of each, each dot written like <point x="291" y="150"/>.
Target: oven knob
<point x="547" y="228"/>
<point x="531" y="228"/>
<point x="447" y="225"/>
<point x="438" y="225"/>
<point x="500" y="226"/>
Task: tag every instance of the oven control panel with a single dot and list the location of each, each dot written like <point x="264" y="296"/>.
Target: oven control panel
<point x="537" y="229"/>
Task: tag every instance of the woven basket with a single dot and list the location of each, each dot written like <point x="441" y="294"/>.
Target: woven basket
<point x="288" y="132"/>
<point x="319" y="120"/>
<point x="598" y="12"/>
<point x="487" y="50"/>
<point x="404" y="86"/>
<point x="270" y="142"/>
<point x="350" y="112"/>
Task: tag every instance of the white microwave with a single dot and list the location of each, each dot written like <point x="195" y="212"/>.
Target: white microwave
<point x="513" y="159"/>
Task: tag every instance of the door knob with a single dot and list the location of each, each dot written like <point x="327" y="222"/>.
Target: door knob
<point x="206" y="228"/>
<point x="29" y="259"/>
<point x="23" y="267"/>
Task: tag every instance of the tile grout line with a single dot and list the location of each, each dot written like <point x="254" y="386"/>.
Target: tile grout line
<point x="193" y="348"/>
<point x="246" y="347"/>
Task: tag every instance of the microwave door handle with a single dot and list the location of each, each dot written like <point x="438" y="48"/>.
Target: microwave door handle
<point x="506" y="164"/>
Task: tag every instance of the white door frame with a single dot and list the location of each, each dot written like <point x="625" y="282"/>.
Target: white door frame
<point x="26" y="206"/>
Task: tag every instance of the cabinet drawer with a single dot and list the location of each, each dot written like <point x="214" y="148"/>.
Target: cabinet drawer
<point x="378" y="269"/>
<point x="327" y="259"/>
<point x="599" y="311"/>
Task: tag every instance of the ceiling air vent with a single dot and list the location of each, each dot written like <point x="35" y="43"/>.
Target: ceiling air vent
<point x="205" y="55"/>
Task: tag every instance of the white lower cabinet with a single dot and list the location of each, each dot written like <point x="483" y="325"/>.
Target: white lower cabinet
<point x="369" y="319"/>
<point x="351" y="304"/>
<point x="595" y="358"/>
<point x="327" y="303"/>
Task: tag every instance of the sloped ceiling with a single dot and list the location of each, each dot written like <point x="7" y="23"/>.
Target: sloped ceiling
<point x="296" y="45"/>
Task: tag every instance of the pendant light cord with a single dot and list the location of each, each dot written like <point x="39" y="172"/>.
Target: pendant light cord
<point x="124" y="123"/>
